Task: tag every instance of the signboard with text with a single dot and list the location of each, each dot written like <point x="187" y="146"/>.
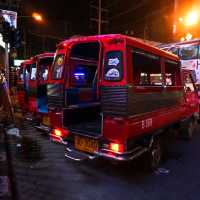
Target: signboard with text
<point x="10" y="17"/>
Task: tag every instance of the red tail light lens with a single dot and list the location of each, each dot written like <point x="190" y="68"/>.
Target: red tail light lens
<point x="60" y="132"/>
<point x="116" y="147"/>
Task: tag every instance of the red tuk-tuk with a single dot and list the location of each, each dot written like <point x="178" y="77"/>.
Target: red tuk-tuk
<point x="32" y="87"/>
<point x="37" y="82"/>
<point x="114" y="96"/>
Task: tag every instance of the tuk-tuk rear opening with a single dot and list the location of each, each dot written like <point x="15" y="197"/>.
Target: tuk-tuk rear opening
<point x="83" y="113"/>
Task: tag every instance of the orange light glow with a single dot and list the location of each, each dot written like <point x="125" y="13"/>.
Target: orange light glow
<point x="192" y="18"/>
<point x="182" y="39"/>
<point x="188" y="36"/>
<point x="180" y="19"/>
<point x="118" y="148"/>
<point x="58" y="132"/>
<point x="37" y="17"/>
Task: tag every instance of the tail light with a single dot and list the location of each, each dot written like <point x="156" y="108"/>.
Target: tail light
<point x="60" y="132"/>
<point x="116" y="147"/>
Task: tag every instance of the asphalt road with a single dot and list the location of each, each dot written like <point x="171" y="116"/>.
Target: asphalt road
<point x="48" y="175"/>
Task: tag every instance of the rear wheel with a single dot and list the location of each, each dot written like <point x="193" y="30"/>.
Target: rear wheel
<point x="154" y="156"/>
<point x="188" y="127"/>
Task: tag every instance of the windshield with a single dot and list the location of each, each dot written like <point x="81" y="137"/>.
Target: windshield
<point x="58" y="67"/>
<point x="189" y="52"/>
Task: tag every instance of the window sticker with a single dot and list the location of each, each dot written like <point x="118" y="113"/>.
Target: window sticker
<point x="113" y="61"/>
<point x="58" y="67"/>
<point x="60" y="61"/>
<point x="113" y="73"/>
<point x="113" y="69"/>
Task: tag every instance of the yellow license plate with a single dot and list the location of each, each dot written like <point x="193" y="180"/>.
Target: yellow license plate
<point x="86" y="144"/>
<point x="46" y="121"/>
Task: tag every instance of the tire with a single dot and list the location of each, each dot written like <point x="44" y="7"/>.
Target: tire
<point x="154" y="155"/>
<point x="188" y="127"/>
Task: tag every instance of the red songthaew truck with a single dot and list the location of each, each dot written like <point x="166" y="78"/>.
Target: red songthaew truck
<point x="32" y="87"/>
<point x="113" y="96"/>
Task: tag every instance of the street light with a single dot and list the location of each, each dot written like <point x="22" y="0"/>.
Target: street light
<point x="188" y="36"/>
<point x="192" y="18"/>
<point x="38" y="17"/>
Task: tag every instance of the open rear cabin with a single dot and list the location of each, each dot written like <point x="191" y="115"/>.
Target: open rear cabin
<point x="82" y="112"/>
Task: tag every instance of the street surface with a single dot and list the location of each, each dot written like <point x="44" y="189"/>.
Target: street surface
<point x="48" y="175"/>
<point x="4" y="171"/>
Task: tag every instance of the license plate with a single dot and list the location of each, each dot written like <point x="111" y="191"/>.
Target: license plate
<point x="86" y="144"/>
<point x="46" y="121"/>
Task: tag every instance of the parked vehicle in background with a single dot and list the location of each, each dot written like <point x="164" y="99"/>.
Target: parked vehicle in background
<point x="189" y="54"/>
<point x="34" y="77"/>
<point x="113" y="96"/>
<point x="37" y="82"/>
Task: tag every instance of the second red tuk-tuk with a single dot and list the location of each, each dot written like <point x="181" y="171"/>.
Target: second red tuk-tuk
<point x="34" y="78"/>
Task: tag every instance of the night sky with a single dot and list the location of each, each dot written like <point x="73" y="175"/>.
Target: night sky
<point x="124" y="16"/>
<point x="149" y="19"/>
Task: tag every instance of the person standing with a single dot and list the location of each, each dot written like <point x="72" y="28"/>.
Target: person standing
<point x="6" y="108"/>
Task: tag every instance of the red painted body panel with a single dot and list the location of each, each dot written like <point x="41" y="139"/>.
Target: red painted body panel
<point x="23" y="104"/>
<point x="21" y="99"/>
<point x="120" y="130"/>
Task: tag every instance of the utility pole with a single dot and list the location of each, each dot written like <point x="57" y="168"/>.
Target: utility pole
<point x="24" y="43"/>
<point x="99" y="21"/>
<point x="99" y="16"/>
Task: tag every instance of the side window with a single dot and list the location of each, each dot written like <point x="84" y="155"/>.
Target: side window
<point x="44" y="66"/>
<point x="21" y="74"/>
<point x="146" y="68"/>
<point x="172" y="73"/>
<point x="33" y="71"/>
<point x="113" y="68"/>
<point x="58" y="67"/>
<point x="189" y="86"/>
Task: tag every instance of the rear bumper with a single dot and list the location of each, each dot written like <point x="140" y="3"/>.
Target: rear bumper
<point x="77" y="155"/>
<point x="127" y="156"/>
<point x="57" y="139"/>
